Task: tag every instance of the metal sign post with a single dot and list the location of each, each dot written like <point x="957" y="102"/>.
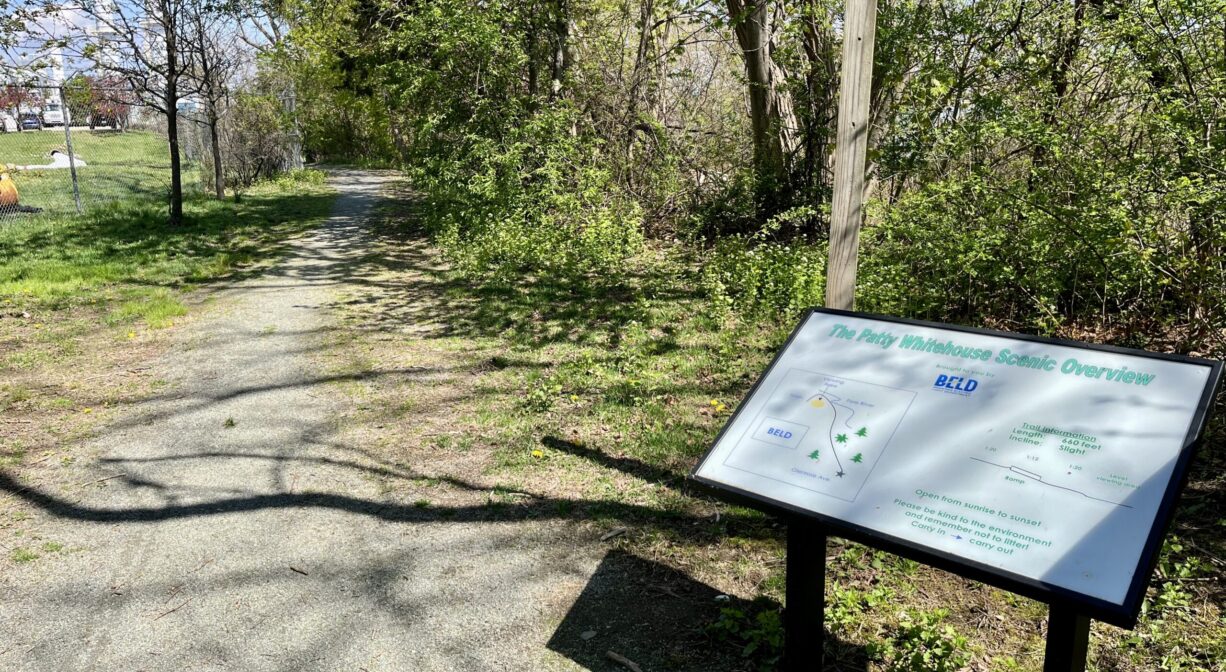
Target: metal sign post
<point x="1068" y="640"/>
<point x="804" y="618"/>
<point x="1068" y="632"/>
<point x="72" y="156"/>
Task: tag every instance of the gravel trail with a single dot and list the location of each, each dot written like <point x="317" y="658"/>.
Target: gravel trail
<point x="236" y="532"/>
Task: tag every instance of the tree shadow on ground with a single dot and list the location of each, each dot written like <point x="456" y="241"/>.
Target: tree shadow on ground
<point x="661" y="619"/>
<point x="528" y="307"/>
<point x="488" y="508"/>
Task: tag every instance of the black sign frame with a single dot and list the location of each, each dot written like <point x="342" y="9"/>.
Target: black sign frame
<point x="1124" y="615"/>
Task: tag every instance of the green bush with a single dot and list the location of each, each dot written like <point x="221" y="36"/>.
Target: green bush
<point x="757" y="630"/>
<point x="302" y="177"/>
<point x="537" y="199"/>
<point x="921" y="644"/>
<point x="760" y="278"/>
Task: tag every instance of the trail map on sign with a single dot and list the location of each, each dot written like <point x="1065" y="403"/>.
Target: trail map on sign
<point x="1042" y="461"/>
<point x="823" y="433"/>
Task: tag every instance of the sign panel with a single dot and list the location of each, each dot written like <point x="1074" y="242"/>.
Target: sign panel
<point x="1046" y="467"/>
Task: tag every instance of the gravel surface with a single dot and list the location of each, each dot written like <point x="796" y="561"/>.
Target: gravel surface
<point x="236" y="532"/>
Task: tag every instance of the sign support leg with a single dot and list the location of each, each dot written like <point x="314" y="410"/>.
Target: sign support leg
<point x="804" y="625"/>
<point x="1068" y="640"/>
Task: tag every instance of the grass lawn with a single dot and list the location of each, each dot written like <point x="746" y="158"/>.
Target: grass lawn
<point x="119" y="166"/>
<point x="592" y="400"/>
<point x="125" y="259"/>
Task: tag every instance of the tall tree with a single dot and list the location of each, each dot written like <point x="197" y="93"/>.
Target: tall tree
<point x="562" y="53"/>
<point x="139" y="44"/>
<point x="772" y="121"/>
<point x="264" y="26"/>
<point x="210" y="38"/>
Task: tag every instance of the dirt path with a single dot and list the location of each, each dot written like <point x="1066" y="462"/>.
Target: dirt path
<point x="225" y="523"/>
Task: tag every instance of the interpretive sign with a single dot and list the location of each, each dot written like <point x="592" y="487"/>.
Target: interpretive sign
<point x="1045" y="467"/>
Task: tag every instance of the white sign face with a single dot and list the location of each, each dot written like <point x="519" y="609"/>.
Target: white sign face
<point x="1046" y="461"/>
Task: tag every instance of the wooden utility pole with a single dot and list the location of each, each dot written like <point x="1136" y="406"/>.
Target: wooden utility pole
<point x="806" y="552"/>
<point x="851" y="145"/>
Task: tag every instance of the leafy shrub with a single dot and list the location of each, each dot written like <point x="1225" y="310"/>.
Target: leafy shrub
<point x="758" y="631"/>
<point x="729" y="210"/>
<point x="765" y="277"/>
<point x="254" y="141"/>
<point x="1175" y="568"/>
<point x="301" y="178"/>
<point x="921" y="644"/>
<point x="848" y="606"/>
<point x="536" y="200"/>
<point x="542" y="395"/>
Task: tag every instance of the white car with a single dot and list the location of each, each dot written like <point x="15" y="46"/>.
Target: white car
<point x="7" y="123"/>
<point x="53" y="113"/>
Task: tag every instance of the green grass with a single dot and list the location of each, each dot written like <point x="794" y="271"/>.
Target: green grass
<point x="158" y="308"/>
<point x="125" y="258"/>
<point x="119" y="166"/>
<point x="23" y="555"/>
<point x="11" y="454"/>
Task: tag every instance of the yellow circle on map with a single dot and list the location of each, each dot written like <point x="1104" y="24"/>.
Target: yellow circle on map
<point x="817" y="403"/>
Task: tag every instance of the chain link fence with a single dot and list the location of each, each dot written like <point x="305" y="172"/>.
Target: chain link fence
<point x="66" y="149"/>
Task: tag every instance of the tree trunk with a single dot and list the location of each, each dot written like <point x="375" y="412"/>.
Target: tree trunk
<point x="295" y="133"/>
<point x="640" y="86"/>
<point x="1058" y="66"/>
<point x="638" y="79"/>
<point x="561" y="51"/>
<point x="172" y="117"/>
<point x="821" y="83"/>
<point x="176" y="166"/>
<point x="770" y="109"/>
<point x="218" y="184"/>
<point x="532" y="48"/>
<point x="533" y="69"/>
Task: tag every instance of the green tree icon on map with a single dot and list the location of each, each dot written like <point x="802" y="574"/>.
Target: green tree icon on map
<point x="841" y="438"/>
<point x="859" y="457"/>
<point x="862" y="432"/>
<point x="813" y="455"/>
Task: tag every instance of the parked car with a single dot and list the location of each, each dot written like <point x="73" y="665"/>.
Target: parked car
<point x="29" y="121"/>
<point x="53" y="113"/>
<point x="102" y="119"/>
<point x="7" y="123"/>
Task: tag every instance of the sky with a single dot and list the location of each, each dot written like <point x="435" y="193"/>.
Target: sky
<point x="22" y="56"/>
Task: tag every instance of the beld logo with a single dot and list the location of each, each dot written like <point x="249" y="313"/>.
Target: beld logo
<point x="955" y="384"/>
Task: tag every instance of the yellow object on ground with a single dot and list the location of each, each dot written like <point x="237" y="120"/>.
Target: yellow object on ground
<point x="8" y="191"/>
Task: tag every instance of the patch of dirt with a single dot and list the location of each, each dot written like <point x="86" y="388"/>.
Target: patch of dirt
<point x="65" y="373"/>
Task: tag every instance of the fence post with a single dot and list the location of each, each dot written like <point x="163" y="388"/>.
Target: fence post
<point x="72" y="157"/>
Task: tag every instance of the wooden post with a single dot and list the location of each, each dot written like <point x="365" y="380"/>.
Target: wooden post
<point x="804" y="626"/>
<point x="851" y="146"/>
